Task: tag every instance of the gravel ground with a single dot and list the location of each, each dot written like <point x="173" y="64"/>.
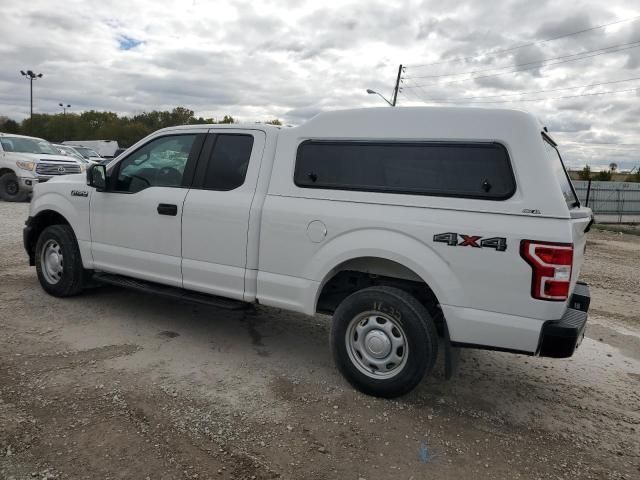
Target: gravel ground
<point x="117" y="384"/>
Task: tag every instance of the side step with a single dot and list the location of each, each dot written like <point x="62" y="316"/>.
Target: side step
<point x="172" y="292"/>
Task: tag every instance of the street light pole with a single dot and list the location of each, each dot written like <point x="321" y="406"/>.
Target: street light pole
<point x="373" y="92"/>
<point x="29" y="75"/>
<point x="64" y="119"/>
<point x="396" y="89"/>
<point x="64" y="108"/>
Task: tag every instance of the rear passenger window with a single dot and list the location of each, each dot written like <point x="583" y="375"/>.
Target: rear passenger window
<point x="473" y="170"/>
<point x="227" y="166"/>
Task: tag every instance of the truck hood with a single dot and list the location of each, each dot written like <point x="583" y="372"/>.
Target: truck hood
<point x="74" y="179"/>
<point x="42" y="157"/>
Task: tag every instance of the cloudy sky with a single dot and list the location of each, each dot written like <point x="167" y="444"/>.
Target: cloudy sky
<point x="259" y="60"/>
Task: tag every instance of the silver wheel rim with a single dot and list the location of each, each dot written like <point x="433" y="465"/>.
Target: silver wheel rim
<point x="377" y="345"/>
<point x="51" y="262"/>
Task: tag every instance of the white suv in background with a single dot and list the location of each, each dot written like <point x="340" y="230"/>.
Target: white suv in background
<point x="27" y="161"/>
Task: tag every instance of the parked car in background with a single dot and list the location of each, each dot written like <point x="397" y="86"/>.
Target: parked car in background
<point x="27" y="161"/>
<point x="405" y="224"/>
<point x="105" y="148"/>
<point x="88" y="153"/>
<point x="72" y="152"/>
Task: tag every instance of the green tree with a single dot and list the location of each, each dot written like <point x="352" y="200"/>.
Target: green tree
<point x="604" y="176"/>
<point x="201" y="120"/>
<point x="95" y="125"/>
<point x="181" y="116"/>
<point x="275" y="121"/>
<point x="10" y="126"/>
<point x="585" y="173"/>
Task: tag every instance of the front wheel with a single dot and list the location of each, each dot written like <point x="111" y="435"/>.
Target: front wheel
<point x="58" y="262"/>
<point x="10" y="190"/>
<point x="384" y="341"/>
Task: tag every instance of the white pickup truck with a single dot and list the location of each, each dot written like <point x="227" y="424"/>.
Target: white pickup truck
<point x="413" y="227"/>
<point x="27" y="161"/>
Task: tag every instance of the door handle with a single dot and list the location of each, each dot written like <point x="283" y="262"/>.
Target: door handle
<point x="168" y="209"/>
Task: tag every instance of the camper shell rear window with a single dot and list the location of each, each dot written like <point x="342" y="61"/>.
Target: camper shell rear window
<point x="453" y="169"/>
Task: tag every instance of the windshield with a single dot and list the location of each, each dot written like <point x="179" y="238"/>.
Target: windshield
<point x="27" y="145"/>
<point x="561" y="174"/>
<point x="87" y="152"/>
<point x="69" y="151"/>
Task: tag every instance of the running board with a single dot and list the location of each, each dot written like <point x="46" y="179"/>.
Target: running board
<point x="167" y="291"/>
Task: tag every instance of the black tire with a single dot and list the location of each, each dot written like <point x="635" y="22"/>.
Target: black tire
<point x="417" y="331"/>
<point x="10" y="190"/>
<point x="72" y="275"/>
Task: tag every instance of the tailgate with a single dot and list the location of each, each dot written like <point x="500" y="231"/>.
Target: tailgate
<point x="581" y="219"/>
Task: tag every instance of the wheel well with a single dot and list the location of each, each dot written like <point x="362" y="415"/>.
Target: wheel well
<point x="35" y="227"/>
<point x="5" y="170"/>
<point x="359" y="273"/>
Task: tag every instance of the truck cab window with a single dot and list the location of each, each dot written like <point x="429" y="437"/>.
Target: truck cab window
<point x="160" y="163"/>
<point x="227" y="165"/>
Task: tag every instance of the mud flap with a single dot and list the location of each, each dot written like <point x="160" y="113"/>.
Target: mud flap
<point x="451" y="356"/>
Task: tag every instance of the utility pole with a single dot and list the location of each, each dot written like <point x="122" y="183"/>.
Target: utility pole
<point x="391" y="103"/>
<point x="29" y="75"/>
<point x="395" y="90"/>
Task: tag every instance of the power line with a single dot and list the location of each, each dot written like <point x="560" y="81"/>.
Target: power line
<point x="599" y="144"/>
<point x="471" y="72"/>
<point x="637" y="44"/>
<point x="495" y="52"/>
<point x="540" y="99"/>
<point x="447" y="99"/>
<point x="607" y="143"/>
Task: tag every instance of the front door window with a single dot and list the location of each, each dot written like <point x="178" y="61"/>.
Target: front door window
<point x="160" y="163"/>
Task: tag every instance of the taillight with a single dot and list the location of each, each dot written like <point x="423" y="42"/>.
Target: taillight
<point x="551" y="264"/>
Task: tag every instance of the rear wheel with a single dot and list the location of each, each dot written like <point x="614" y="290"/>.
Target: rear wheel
<point x="58" y="262"/>
<point x="10" y="190"/>
<point x="383" y="341"/>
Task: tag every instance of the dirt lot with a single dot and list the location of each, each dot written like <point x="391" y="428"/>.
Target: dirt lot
<point x="116" y="384"/>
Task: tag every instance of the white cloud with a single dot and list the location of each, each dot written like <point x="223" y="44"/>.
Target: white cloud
<point x="291" y="59"/>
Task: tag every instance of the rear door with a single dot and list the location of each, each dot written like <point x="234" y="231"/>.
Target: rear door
<point x="215" y="219"/>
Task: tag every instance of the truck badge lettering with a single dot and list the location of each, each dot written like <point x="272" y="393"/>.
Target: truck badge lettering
<point x="469" y="241"/>
<point x="79" y="193"/>
<point x="497" y="243"/>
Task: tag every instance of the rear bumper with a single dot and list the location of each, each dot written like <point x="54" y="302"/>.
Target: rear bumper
<point x="560" y="338"/>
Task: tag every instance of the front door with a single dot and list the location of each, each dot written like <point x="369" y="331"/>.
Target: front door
<point x="215" y="220"/>
<point x="136" y="224"/>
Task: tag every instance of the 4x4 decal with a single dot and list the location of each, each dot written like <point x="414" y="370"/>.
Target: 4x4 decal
<point x="476" y="241"/>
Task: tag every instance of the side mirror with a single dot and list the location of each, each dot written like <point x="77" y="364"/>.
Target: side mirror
<point x="97" y="177"/>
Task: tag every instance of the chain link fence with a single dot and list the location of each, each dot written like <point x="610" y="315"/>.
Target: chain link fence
<point x="611" y="202"/>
